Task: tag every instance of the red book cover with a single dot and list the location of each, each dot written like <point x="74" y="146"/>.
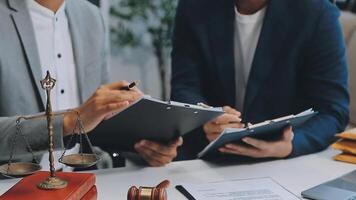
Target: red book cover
<point x="78" y="185"/>
<point x="91" y="195"/>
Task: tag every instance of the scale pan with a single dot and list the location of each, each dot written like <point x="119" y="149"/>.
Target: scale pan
<point x="19" y="170"/>
<point x="79" y="160"/>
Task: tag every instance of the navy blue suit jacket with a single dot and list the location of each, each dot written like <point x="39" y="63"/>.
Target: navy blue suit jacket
<point x="299" y="64"/>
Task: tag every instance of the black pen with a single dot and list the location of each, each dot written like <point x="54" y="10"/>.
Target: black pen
<point x="130" y="86"/>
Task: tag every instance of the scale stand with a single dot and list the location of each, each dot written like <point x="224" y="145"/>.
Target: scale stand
<point x="52" y="182"/>
<point x="81" y="160"/>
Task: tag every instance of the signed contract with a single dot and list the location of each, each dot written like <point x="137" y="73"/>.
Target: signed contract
<point x="246" y="189"/>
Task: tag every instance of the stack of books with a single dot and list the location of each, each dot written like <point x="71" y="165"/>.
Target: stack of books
<point x="81" y="186"/>
<point x="346" y="144"/>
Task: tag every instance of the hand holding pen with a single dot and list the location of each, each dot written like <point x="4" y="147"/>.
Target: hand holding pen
<point x="231" y="119"/>
<point x="130" y="86"/>
<point x="129" y="89"/>
<point x="105" y="101"/>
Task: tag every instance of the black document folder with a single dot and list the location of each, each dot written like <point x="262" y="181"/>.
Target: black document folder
<point x="267" y="130"/>
<point x="154" y="120"/>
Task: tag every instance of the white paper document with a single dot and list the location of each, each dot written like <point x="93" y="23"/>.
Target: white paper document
<point x="246" y="189"/>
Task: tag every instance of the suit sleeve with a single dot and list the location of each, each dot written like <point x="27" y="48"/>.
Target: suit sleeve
<point x="35" y="132"/>
<point x="324" y="86"/>
<point x="187" y="76"/>
<point x="187" y="73"/>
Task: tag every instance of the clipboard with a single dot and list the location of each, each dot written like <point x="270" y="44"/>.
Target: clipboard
<point x="267" y="130"/>
<point x="154" y="120"/>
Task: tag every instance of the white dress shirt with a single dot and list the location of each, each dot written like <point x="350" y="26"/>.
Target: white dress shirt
<point x="247" y="33"/>
<point x="56" y="53"/>
<point x="55" y="50"/>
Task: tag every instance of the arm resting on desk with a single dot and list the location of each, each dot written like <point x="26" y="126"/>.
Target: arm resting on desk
<point x="324" y="86"/>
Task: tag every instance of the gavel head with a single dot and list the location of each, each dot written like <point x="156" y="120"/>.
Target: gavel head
<point x="148" y="193"/>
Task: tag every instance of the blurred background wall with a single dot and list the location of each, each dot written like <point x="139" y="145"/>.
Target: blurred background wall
<point x="140" y="41"/>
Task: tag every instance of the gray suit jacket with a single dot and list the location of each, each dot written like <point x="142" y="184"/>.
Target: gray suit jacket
<point x="20" y="70"/>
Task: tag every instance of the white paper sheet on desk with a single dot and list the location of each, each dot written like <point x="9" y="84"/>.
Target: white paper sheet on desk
<point x="246" y="189"/>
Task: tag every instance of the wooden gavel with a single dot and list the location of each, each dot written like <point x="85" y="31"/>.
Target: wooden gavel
<point x="149" y="193"/>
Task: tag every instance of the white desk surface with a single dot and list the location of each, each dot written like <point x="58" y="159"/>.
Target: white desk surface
<point x="295" y="175"/>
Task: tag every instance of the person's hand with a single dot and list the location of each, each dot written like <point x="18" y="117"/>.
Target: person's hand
<point x="231" y="119"/>
<point x="263" y="149"/>
<point x="106" y="100"/>
<point x="156" y="154"/>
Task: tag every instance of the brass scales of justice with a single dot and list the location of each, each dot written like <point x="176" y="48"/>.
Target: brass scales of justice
<point x="80" y="160"/>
